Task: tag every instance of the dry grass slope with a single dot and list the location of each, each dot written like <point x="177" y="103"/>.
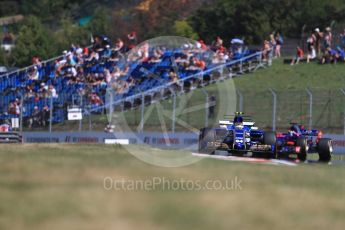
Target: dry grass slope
<point x="61" y="187"/>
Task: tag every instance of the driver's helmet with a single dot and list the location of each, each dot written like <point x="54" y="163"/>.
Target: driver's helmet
<point x="294" y="130"/>
<point x="238" y="121"/>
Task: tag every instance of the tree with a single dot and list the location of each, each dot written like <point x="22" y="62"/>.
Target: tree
<point x="2" y="58"/>
<point x="100" y="23"/>
<point x="182" y="28"/>
<point x="256" y="19"/>
<point x="33" y="40"/>
<point x="71" y="33"/>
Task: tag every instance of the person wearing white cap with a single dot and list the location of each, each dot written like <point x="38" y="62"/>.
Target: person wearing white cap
<point x="319" y="37"/>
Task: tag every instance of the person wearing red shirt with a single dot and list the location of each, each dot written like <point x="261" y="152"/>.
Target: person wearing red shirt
<point x="299" y="56"/>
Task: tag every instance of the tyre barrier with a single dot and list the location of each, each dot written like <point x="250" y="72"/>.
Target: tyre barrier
<point x="10" y="138"/>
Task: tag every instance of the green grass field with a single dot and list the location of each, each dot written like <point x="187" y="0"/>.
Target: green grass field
<point x="61" y="187"/>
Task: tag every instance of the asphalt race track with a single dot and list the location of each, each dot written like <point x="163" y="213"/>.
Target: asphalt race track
<point x="285" y="162"/>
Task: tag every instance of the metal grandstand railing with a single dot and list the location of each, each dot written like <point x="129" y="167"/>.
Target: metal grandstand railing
<point x="227" y="70"/>
<point x="30" y="67"/>
<point x="241" y="69"/>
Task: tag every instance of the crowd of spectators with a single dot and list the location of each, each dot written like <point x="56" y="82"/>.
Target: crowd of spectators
<point x="320" y="47"/>
<point x="90" y="70"/>
<point x="274" y="44"/>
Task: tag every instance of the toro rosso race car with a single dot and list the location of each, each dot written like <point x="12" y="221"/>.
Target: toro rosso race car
<point x="300" y="141"/>
<point x="238" y="137"/>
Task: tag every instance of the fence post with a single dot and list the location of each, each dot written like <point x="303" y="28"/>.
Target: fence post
<point x="310" y="108"/>
<point x="206" y="106"/>
<point x="174" y="113"/>
<point x="21" y="113"/>
<point x="142" y="113"/>
<point x="270" y="57"/>
<point x="90" y="120"/>
<point x="274" y="111"/>
<point x="260" y="59"/>
<point x="111" y="106"/>
<point x="241" y="66"/>
<point x="343" y="91"/>
<point x="81" y="107"/>
<point x="51" y="113"/>
<point x="240" y="95"/>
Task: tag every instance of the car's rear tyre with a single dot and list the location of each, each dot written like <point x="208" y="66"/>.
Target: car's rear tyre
<point x="270" y="138"/>
<point x="206" y="135"/>
<point x="303" y="144"/>
<point x="325" y="149"/>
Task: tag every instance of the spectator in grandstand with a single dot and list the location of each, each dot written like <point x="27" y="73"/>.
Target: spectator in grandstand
<point x="52" y="91"/>
<point x="43" y="90"/>
<point x="97" y="44"/>
<point x="217" y="44"/>
<point x="119" y="45"/>
<point x="14" y="107"/>
<point x="327" y="39"/>
<point x="115" y="56"/>
<point x="30" y="93"/>
<point x="221" y="49"/>
<point x="95" y="100"/>
<point x="92" y="79"/>
<point x="279" y="42"/>
<point x="330" y="56"/>
<point x="173" y="76"/>
<point x="203" y="45"/>
<point x="311" y="47"/>
<point x="342" y="38"/>
<point x="86" y="51"/>
<point x="341" y="54"/>
<point x="131" y="82"/>
<point x="37" y="98"/>
<point x="120" y="86"/>
<point x="107" y="52"/>
<point x="175" y="80"/>
<point x="265" y="50"/>
<point x="35" y="119"/>
<point x="273" y="43"/>
<point x="71" y="60"/>
<point x="221" y="58"/>
<point x="33" y="74"/>
<point x="76" y="49"/>
<point x="125" y="70"/>
<point x="93" y="58"/>
<point x="116" y="74"/>
<point x="132" y="39"/>
<point x="318" y="36"/>
<point x="157" y="56"/>
<point x="298" y="57"/>
<point x="36" y="61"/>
<point x="45" y="116"/>
<point x="196" y="64"/>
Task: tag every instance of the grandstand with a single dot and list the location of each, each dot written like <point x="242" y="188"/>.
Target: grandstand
<point x="81" y="77"/>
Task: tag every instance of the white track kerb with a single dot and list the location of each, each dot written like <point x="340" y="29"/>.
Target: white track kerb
<point x="225" y="94"/>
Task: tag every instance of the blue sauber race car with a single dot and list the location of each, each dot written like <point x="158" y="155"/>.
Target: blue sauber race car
<point x="238" y="137"/>
<point x="300" y="141"/>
